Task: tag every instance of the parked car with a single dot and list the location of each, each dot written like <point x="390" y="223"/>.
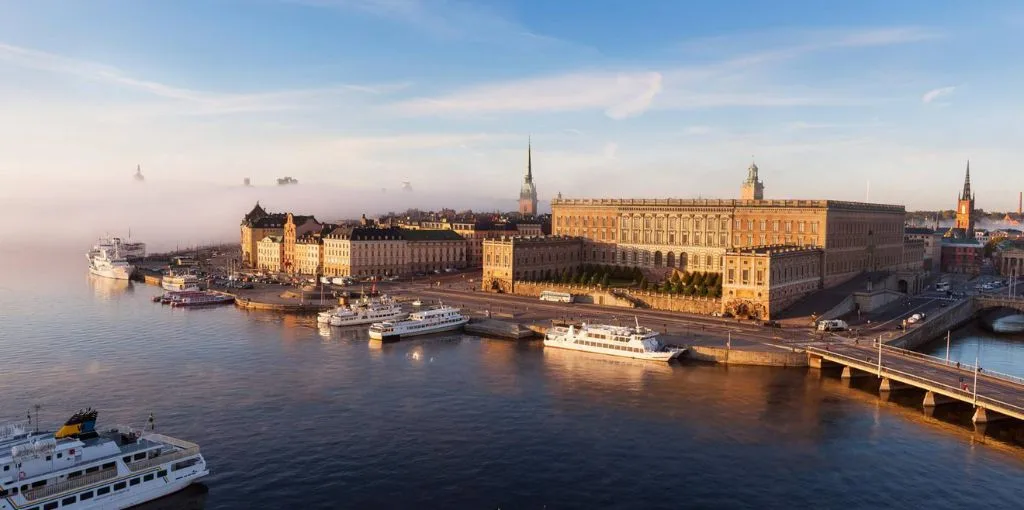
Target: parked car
<point x="772" y="324"/>
<point x="417" y="303"/>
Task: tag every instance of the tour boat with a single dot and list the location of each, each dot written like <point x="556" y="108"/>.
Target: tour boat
<point x="79" y="468"/>
<point x="180" y="282"/>
<point x="629" y="342"/>
<point x="203" y="299"/>
<point x="442" y="318"/>
<point x="363" y="312"/>
<point x="107" y="261"/>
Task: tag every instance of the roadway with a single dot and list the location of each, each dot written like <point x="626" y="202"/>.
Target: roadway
<point x="952" y="376"/>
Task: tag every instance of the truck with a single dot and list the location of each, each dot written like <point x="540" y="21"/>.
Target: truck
<point x="832" y="325"/>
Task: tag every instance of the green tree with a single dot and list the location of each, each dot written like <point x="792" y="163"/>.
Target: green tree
<point x="644" y="284"/>
<point x="564" y="278"/>
<point x="675" y="278"/>
<point x="686" y="278"/>
<point x="678" y="287"/>
<point x="689" y="290"/>
<point x="604" y="280"/>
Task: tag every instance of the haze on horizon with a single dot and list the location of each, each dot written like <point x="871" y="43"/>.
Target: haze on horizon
<point x="660" y="99"/>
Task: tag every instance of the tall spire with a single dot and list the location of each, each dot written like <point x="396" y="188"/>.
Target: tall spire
<point x="529" y="159"/>
<point x="967" y="183"/>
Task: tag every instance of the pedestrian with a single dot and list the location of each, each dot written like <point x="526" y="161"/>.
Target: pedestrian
<point x="958" y="365"/>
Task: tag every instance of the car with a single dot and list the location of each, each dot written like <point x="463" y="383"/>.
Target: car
<point x="772" y="324"/>
<point x="417" y="303"/>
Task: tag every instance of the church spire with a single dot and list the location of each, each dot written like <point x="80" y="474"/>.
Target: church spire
<point x="529" y="159"/>
<point x="967" y="183"/>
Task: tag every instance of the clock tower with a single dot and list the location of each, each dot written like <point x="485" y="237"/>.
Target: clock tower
<point x="965" y="207"/>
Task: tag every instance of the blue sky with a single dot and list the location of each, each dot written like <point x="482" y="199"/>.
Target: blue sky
<point x="622" y="98"/>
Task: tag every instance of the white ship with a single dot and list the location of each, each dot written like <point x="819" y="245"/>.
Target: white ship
<point x="129" y="250"/>
<point x="629" y="342"/>
<point x="77" y="468"/>
<point x="178" y="283"/>
<point x="443" y="318"/>
<point x="107" y="261"/>
<point x="363" y="312"/>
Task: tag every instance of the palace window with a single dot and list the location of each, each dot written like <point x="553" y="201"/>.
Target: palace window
<point x="789" y="226"/>
<point x="764" y="224"/>
<point x="775" y="226"/>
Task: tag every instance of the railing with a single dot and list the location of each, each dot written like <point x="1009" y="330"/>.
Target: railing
<point x="67" y="485"/>
<point x="163" y="459"/>
<point x="955" y="364"/>
<point x="869" y="367"/>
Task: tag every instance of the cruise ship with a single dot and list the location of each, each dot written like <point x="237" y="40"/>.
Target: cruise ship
<point x="630" y="342"/>
<point x="363" y="312"/>
<point x="178" y="283"/>
<point x="106" y="260"/>
<point x="78" y="468"/>
<point x="442" y="318"/>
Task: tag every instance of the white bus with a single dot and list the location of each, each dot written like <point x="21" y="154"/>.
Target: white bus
<point x="560" y="297"/>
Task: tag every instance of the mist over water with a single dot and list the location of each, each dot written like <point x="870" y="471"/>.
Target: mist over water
<point x="169" y="214"/>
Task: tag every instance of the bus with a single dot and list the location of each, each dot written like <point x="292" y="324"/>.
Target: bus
<point x="559" y="297"/>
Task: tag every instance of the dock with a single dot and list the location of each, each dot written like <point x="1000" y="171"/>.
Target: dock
<point x="499" y="328"/>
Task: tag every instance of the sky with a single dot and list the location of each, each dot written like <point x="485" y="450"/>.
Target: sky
<point x="872" y="100"/>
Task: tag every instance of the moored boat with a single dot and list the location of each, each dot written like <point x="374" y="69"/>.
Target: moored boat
<point x="176" y="282"/>
<point x="436" y="320"/>
<point x="630" y="342"/>
<point x="364" y="311"/>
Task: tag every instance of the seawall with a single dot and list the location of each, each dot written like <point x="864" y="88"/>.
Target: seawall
<point x="773" y="358"/>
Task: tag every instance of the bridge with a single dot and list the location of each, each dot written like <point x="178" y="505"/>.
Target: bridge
<point x="992" y="394"/>
<point x="996" y="301"/>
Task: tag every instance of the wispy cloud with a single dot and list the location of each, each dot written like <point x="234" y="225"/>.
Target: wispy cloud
<point x="934" y="94"/>
<point x="188" y="101"/>
<point x="620" y="95"/>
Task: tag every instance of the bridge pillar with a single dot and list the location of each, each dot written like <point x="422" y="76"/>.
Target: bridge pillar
<point x="932" y="399"/>
<point x="890" y="385"/>
<point x="982" y="416"/>
<point x="850" y="373"/>
<point x="819" y="362"/>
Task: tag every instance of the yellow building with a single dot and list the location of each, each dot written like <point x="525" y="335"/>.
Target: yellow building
<point x="510" y="259"/>
<point x="372" y="251"/>
<point x="308" y="255"/>
<point x="270" y="252"/>
<point x="256" y="225"/>
<point x="759" y="282"/>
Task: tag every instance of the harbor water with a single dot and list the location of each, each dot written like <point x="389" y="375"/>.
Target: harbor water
<point x="292" y="416"/>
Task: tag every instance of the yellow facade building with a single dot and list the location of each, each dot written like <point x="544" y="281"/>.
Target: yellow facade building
<point x="270" y="253"/>
<point x="512" y="259"/>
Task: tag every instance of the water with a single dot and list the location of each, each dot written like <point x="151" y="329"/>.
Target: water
<point x="1001" y="353"/>
<point x="290" y="416"/>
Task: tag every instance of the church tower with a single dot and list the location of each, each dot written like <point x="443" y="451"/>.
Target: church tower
<point x="965" y="207"/>
<point x="528" y="193"/>
<point x="752" y="189"/>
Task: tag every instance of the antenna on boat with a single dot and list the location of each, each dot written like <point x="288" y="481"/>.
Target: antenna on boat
<point x="37" y="408"/>
<point x="637" y="319"/>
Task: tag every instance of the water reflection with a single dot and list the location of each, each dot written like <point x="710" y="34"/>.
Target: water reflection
<point x="108" y="289"/>
<point x="996" y="352"/>
<point x="192" y="497"/>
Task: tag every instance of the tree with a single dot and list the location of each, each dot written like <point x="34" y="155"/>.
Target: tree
<point x="697" y="280"/>
<point x="644" y="284"/>
<point x="718" y="292"/>
<point x="564" y="278"/>
<point x="604" y="280"/>
<point x="675" y="278"/>
<point x="678" y="287"/>
<point x="686" y="278"/>
<point x="689" y="290"/>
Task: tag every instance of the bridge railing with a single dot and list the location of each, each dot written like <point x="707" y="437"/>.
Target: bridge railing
<point x="966" y="395"/>
<point x="954" y="364"/>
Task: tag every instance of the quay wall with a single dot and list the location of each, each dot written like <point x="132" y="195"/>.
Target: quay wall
<point x="498" y="328"/>
<point x="773" y="358"/>
<point x="936" y="325"/>
<point x="623" y="298"/>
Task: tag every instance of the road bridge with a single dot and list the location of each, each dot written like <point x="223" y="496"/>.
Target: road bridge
<point x="992" y="394"/>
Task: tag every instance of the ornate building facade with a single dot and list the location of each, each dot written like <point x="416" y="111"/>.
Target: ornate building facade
<point x="528" y="193"/>
<point x="510" y="259"/>
<point x="256" y="225"/>
<point x="762" y="281"/>
<point x="374" y="251"/>
<point x="753" y="188"/>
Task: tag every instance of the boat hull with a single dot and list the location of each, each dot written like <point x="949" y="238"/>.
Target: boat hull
<point x="115" y="273"/>
<point x="662" y="356"/>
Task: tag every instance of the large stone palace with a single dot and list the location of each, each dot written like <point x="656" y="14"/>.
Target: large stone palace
<point x="770" y="252"/>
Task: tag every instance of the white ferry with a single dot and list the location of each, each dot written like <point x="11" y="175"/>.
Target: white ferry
<point x="179" y="283"/>
<point x="107" y="261"/>
<point x="363" y="312"/>
<point x="442" y="318"/>
<point x="78" y="468"/>
<point x="629" y="342"/>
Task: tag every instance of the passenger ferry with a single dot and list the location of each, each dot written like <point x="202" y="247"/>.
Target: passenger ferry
<point x="79" y="468"/>
<point x="106" y="260"/>
<point x="629" y="342"/>
<point x="363" y="312"/>
<point x="179" y="283"/>
<point x="436" y="320"/>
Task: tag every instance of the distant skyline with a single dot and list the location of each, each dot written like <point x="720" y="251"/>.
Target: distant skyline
<point x="621" y="99"/>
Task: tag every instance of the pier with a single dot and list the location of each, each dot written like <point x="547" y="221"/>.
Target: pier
<point x="992" y="394"/>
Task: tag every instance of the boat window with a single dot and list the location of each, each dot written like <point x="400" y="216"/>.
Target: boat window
<point x="40" y="483"/>
<point x="49" y="458"/>
<point x="68" y="501"/>
<point x="162" y="473"/>
<point x="103" y="490"/>
<point x="108" y="465"/>
<point x="140" y="456"/>
<point x="147" y="477"/>
<point x="7" y="468"/>
<point x="3" y="492"/>
<point x="120" y="485"/>
<point x="127" y="459"/>
<point x="92" y="469"/>
<point x="85" y="495"/>
<point x="135" y="481"/>
<point x="50" y="506"/>
<point x="60" y="455"/>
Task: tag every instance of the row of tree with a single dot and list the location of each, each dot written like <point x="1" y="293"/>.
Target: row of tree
<point x="697" y="283"/>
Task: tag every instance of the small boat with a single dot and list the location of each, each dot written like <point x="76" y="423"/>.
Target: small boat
<point x="181" y="282"/>
<point x="203" y="299"/>
<point x="436" y="320"/>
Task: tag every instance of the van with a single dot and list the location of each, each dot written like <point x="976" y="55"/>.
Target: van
<point x="832" y="325"/>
